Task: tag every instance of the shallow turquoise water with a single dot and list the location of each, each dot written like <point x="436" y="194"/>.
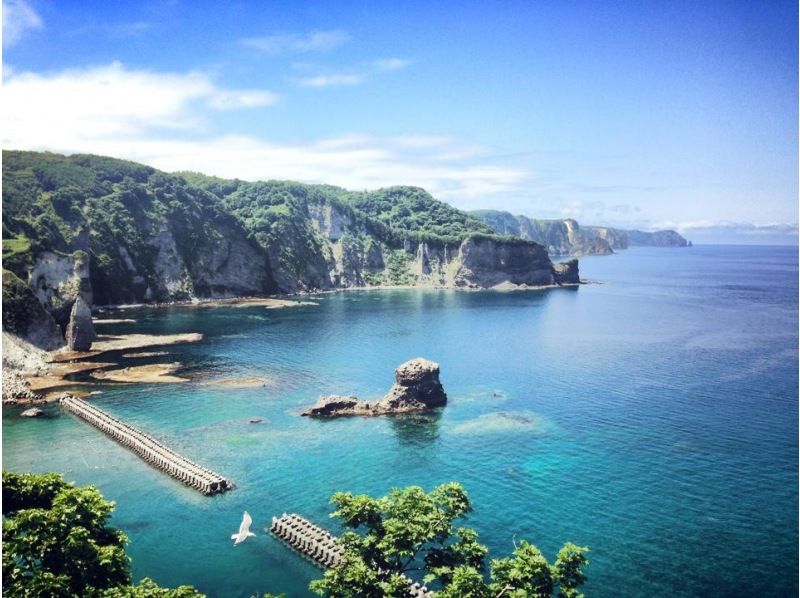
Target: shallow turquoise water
<point x="652" y="417"/>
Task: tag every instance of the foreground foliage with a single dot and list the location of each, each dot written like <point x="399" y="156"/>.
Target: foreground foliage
<point x="57" y="544"/>
<point x="412" y="532"/>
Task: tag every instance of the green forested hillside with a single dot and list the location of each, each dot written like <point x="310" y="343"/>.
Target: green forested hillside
<point x="153" y="236"/>
<point x="113" y="210"/>
<point x="411" y="210"/>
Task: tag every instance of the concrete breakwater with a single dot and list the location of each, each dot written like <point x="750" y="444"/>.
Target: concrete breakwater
<point x="320" y="546"/>
<point x="156" y="454"/>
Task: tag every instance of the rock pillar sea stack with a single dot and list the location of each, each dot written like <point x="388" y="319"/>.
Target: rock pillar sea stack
<point x="80" y="330"/>
<point x="417" y="388"/>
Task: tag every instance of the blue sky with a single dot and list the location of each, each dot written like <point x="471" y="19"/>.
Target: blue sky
<point x="647" y="114"/>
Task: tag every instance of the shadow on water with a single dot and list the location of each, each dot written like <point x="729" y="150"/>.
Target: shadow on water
<point x="417" y="429"/>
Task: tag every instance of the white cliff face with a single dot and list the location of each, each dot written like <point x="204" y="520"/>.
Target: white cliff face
<point x="233" y="267"/>
<point x="475" y="263"/>
<point x="173" y="277"/>
<point x="56" y="280"/>
<point x="352" y="257"/>
<point x="330" y="222"/>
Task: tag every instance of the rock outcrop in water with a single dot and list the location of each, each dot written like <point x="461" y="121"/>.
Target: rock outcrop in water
<point x="416" y="388"/>
<point x="80" y="330"/>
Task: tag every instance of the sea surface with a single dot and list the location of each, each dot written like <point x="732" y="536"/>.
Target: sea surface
<point x="652" y="416"/>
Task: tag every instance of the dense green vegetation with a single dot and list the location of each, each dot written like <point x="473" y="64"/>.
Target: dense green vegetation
<point x="152" y="236"/>
<point x="57" y="543"/>
<point x="411" y="530"/>
<point x="20" y="307"/>
<point x="397" y="268"/>
<point x="411" y="212"/>
<point x="114" y="210"/>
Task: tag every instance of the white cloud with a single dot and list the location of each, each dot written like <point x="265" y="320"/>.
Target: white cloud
<point x="353" y="76"/>
<point x="76" y="107"/>
<point x="353" y="162"/>
<point x="241" y="98"/>
<point x="391" y="64"/>
<point x="333" y="80"/>
<point x="159" y="119"/>
<point x="317" y="41"/>
<point x="19" y="18"/>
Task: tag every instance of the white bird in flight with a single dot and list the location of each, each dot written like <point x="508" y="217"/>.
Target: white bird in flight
<point x="244" y="529"/>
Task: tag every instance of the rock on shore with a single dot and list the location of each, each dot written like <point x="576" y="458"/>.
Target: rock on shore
<point x="416" y="388"/>
<point x="80" y="330"/>
<point x="16" y="389"/>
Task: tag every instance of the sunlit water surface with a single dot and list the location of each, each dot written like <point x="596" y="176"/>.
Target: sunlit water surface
<point x="652" y="417"/>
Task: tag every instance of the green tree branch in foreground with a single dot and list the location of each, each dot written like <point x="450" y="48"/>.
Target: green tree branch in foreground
<point x="57" y="544"/>
<point x="411" y="531"/>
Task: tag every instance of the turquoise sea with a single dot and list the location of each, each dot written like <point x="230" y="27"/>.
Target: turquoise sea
<point x="652" y="416"/>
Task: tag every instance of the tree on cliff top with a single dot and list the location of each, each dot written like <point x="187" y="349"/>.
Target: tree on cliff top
<point x="413" y="531"/>
<point x="57" y="544"/>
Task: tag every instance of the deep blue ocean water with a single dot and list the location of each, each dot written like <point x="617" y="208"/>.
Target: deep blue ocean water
<point x="652" y="417"/>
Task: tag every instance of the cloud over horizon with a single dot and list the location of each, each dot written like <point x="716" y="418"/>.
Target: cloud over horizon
<point x="162" y="119"/>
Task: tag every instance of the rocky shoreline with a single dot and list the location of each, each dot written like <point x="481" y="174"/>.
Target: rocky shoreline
<point x="269" y="302"/>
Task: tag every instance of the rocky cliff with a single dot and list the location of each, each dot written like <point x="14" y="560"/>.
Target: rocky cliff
<point x="567" y="237"/>
<point x="58" y="280"/>
<point x="486" y="263"/>
<point x="616" y="239"/>
<point x="660" y="238"/>
<point x="25" y="316"/>
<point x="108" y="231"/>
<point x="561" y="237"/>
<point x="321" y="237"/>
<point x="622" y="239"/>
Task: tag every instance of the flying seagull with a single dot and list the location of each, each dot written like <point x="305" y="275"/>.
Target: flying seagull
<point x="244" y="529"/>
